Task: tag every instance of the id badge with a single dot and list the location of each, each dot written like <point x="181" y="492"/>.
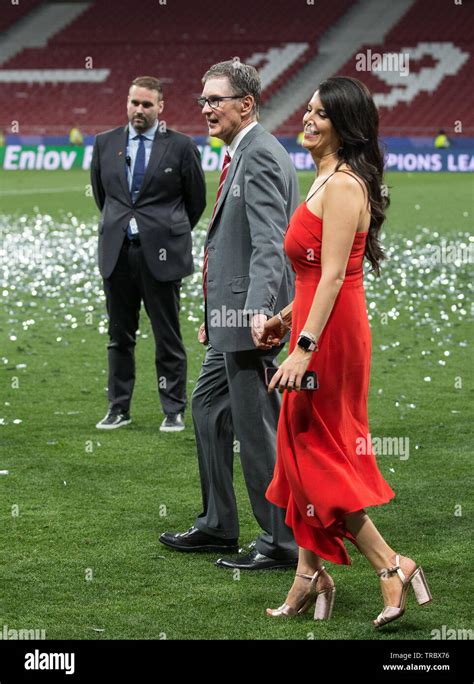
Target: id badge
<point x="133" y="226"/>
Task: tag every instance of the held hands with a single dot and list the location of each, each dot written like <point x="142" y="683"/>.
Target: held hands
<point x="265" y="334"/>
<point x="257" y="328"/>
<point x="272" y="334"/>
<point x="291" y="371"/>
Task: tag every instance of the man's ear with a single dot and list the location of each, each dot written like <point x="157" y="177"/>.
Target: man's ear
<point x="248" y="103"/>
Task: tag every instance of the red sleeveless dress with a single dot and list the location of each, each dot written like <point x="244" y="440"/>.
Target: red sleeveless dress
<point x="320" y="474"/>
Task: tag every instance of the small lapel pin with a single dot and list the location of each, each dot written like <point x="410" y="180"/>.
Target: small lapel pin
<point x="120" y="153"/>
<point x="168" y="170"/>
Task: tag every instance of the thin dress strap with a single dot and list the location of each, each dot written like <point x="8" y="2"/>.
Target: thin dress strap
<point x="332" y="174"/>
<point x="320" y="186"/>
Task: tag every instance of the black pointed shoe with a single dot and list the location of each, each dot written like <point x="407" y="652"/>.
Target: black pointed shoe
<point x="256" y="561"/>
<point x="195" y="540"/>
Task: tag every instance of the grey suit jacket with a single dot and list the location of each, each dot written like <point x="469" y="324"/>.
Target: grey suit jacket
<point x="248" y="271"/>
<point x="171" y="201"/>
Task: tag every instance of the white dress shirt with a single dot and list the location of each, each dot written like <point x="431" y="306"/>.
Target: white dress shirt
<point x="239" y="137"/>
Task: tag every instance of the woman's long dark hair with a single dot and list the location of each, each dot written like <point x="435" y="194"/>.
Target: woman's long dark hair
<point x="352" y="111"/>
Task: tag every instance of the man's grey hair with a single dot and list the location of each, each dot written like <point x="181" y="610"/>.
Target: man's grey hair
<point x="243" y="78"/>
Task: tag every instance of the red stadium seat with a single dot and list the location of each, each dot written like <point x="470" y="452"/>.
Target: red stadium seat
<point x="435" y="22"/>
<point x="10" y="13"/>
<point x="152" y="42"/>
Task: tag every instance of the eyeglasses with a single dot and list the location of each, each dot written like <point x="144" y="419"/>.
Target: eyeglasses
<point x="214" y="101"/>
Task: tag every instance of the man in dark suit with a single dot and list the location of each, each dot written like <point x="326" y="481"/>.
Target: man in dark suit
<point x="149" y="186"/>
<point x="246" y="279"/>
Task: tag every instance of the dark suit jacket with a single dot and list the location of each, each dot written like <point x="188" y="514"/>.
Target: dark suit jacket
<point x="171" y="201"/>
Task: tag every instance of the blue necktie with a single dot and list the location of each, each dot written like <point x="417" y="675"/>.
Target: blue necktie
<point x="138" y="173"/>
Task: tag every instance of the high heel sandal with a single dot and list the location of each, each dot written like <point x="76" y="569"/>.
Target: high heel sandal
<point x="420" y="587"/>
<point x="324" y="601"/>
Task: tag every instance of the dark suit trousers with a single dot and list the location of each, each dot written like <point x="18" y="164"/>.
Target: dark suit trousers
<point x="231" y="400"/>
<point x="131" y="283"/>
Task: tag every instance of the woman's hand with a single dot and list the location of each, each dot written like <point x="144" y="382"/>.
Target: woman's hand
<point x="273" y="333"/>
<point x="291" y="371"/>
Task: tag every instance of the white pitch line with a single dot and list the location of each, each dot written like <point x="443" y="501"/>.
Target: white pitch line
<point x="42" y="191"/>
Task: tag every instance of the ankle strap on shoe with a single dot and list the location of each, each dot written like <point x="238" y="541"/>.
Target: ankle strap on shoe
<point x="310" y="577"/>
<point x="385" y="572"/>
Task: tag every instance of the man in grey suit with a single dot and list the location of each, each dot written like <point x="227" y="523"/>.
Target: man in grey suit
<point x="246" y="279"/>
<point x="149" y="186"/>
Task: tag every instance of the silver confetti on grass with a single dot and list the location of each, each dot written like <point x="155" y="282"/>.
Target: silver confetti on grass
<point x="424" y="287"/>
<point x="49" y="267"/>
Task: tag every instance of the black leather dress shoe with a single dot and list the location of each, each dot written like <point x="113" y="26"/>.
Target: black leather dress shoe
<point x="256" y="561"/>
<point x="195" y="540"/>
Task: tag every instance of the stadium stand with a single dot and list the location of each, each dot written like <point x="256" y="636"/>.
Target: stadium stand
<point x="178" y="53"/>
<point x="12" y="13"/>
<point x="282" y="37"/>
<point x="436" y="93"/>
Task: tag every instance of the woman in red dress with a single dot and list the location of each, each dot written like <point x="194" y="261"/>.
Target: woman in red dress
<point x="321" y="477"/>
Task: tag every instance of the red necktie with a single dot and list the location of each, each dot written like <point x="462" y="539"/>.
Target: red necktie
<point x="223" y="176"/>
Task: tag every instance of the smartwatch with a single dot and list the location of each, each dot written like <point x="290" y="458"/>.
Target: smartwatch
<point x="307" y="341"/>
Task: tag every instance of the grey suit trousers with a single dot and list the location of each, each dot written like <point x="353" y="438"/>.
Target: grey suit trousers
<point x="230" y="401"/>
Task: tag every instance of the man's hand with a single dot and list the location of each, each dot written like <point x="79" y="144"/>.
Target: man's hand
<point x="273" y="333"/>
<point x="257" y="326"/>
<point x="202" y="337"/>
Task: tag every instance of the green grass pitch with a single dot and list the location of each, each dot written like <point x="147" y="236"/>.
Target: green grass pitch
<point x="81" y="511"/>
